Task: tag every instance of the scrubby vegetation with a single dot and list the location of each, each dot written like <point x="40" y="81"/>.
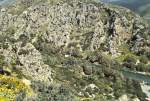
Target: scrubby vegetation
<point x="80" y="71"/>
<point x="10" y="87"/>
<point x="53" y="92"/>
<point x="69" y="56"/>
<point x="11" y="82"/>
<point x="139" y="64"/>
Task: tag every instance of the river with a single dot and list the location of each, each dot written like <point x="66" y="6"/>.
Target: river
<point x="136" y="76"/>
<point x="6" y="2"/>
<point x="144" y="79"/>
<point x="141" y="7"/>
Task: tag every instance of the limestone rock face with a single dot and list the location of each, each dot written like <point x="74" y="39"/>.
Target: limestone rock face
<point x="90" y="26"/>
<point x="34" y="65"/>
<point x="30" y="61"/>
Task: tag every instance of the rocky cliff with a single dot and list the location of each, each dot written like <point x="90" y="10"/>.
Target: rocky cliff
<point x="70" y="50"/>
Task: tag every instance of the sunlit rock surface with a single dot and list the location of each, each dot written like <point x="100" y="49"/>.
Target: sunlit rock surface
<point x="73" y="50"/>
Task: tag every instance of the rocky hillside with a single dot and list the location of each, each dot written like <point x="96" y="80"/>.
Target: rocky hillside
<point x="141" y="7"/>
<point x="71" y="50"/>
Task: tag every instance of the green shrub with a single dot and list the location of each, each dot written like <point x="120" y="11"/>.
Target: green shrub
<point x="140" y="67"/>
<point x="130" y="60"/>
<point x="2" y="62"/>
<point x="52" y="92"/>
<point x="144" y="59"/>
<point x="147" y="54"/>
<point x="147" y="67"/>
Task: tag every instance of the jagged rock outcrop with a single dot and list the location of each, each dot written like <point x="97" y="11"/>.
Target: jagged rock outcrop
<point x="89" y="26"/>
<point x="29" y="61"/>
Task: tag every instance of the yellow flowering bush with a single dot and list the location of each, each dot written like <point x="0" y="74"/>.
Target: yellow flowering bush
<point x="11" y="86"/>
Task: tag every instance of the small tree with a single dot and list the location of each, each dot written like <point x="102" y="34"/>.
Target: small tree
<point x="140" y="67"/>
<point x="130" y="59"/>
<point x="144" y="59"/>
<point x="147" y="54"/>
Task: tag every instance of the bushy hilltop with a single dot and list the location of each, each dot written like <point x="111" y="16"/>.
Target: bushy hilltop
<point x="72" y="50"/>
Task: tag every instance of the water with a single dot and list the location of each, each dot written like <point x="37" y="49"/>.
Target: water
<point x="145" y="85"/>
<point x="141" y="7"/>
<point x="136" y="76"/>
<point x="131" y="4"/>
<point x="6" y="2"/>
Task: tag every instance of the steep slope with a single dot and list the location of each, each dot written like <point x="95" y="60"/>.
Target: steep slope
<point x="70" y="50"/>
